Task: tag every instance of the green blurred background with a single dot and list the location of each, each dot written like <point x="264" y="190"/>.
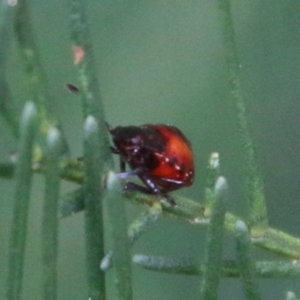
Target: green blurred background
<point x="163" y="61"/>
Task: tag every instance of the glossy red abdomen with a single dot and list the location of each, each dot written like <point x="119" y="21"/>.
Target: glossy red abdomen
<point x="160" y="154"/>
<point x="176" y="162"/>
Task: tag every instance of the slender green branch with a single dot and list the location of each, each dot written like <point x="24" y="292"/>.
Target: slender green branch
<point x="93" y="198"/>
<point x="143" y="222"/>
<point x="247" y="268"/>
<point x="186" y="209"/>
<point x="174" y="265"/>
<point x="36" y="77"/>
<point x="84" y="60"/>
<point x="69" y="169"/>
<point x="34" y="71"/>
<point x="279" y="242"/>
<point x="50" y="220"/>
<point x="7" y="106"/>
<point x="121" y="246"/>
<point x="136" y="229"/>
<point x="213" y="172"/>
<point x="229" y="268"/>
<point x="258" y="220"/>
<point x="273" y="240"/>
<point x="213" y="256"/>
<point x="22" y="195"/>
<point x="6" y="30"/>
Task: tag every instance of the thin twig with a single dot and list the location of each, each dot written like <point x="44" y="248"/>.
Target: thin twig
<point x="229" y="268"/>
<point x="213" y="256"/>
<point x="258" y="219"/>
<point x="85" y="63"/>
<point x="35" y="74"/>
<point x="121" y="246"/>
<point x="247" y="267"/>
<point x="50" y="219"/>
<point x="7" y="106"/>
<point x="93" y="199"/>
<point x="22" y="195"/>
<point x="273" y="240"/>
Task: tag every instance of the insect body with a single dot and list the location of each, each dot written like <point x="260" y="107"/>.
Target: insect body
<point x="160" y="155"/>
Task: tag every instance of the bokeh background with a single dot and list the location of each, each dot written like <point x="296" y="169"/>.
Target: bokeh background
<point x="163" y="61"/>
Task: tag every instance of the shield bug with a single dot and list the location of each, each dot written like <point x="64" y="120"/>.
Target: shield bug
<point x="160" y="155"/>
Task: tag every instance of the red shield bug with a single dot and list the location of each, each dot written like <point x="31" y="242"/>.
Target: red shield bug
<point x="160" y="155"/>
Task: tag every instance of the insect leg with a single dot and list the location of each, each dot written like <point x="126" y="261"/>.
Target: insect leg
<point x="156" y="190"/>
<point x="124" y="174"/>
<point x="131" y="186"/>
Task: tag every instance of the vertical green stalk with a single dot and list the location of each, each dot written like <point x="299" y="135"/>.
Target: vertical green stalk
<point x="213" y="260"/>
<point x="98" y="157"/>
<point x="7" y="107"/>
<point x="85" y="62"/>
<point x="213" y="172"/>
<point x="23" y="177"/>
<point x="50" y="220"/>
<point x="35" y="74"/>
<point x="254" y="183"/>
<point x="247" y="267"/>
<point x="93" y="196"/>
<point x="6" y="31"/>
<point x="121" y="246"/>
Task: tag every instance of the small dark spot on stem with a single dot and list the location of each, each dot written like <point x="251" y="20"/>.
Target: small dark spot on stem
<point x="72" y="88"/>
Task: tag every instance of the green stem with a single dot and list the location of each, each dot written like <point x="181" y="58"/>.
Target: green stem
<point x="213" y="172"/>
<point x="35" y="74"/>
<point x="50" y="220"/>
<point x="34" y="71"/>
<point x="279" y="242"/>
<point x="85" y="62"/>
<point x="121" y="246"/>
<point x="254" y="184"/>
<point x="7" y="106"/>
<point x="136" y="229"/>
<point x="210" y="282"/>
<point x="70" y="170"/>
<point x="273" y="240"/>
<point x="186" y="209"/>
<point x="229" y="268"/>
<point x="22" y="196"/>
<point x="93" y="198"/>
<point x="143" y="222"/>
<point x="247" y="268"/>
<point x="174" y="265"/>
